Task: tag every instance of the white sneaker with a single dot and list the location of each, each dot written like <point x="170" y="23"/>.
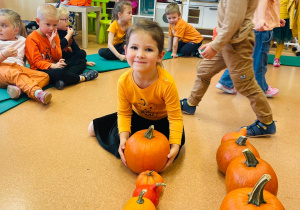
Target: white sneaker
<point x="14" y="91"/>
<point x="226" y="89"/>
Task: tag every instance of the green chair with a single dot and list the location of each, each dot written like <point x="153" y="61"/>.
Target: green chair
<point x="104" y="23"/>
<point x="92" y="17"/>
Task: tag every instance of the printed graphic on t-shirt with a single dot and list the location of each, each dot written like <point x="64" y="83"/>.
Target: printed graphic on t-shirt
<point x="148" y="109"/>
<point x="46" y="54"/>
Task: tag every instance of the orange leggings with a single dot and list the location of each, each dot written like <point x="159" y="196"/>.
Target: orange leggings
<point x="26" y="79"/>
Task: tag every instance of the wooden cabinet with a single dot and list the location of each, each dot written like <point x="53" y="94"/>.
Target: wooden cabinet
<point x="26" y="8"/>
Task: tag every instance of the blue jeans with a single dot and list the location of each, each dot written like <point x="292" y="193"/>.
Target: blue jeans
<point x="260" y="60"/>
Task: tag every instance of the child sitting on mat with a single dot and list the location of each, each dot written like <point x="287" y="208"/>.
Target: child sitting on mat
<point x="42" y="48"/>
<point x="13" y="75"/>
<point x="71" y="52"/>
<point x="183" y="37"/>
<point x="147" y="95"/>
<point x="122" y="15"/>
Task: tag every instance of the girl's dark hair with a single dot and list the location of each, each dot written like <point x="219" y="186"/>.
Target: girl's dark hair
<point x="119" y="7"/>
<point x="16" y="20"/>
<point x="150" y="27"/>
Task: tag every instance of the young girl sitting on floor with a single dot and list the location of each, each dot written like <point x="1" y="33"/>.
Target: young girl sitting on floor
<point x="147" y="95"/>
<point x="13" y="75"/>
<point x="122" y="15"/>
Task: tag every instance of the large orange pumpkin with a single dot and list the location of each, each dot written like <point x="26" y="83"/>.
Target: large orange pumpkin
<point x="252" y="198"/>
<point x="151" y="193"/>
<point x="231" y="149"/>
<point x="139" y="203"/>
<point x="245" y="171"/>
<point x="147" y="150"/>
<point x="234" y="135"/>
<point x="149" y="178"/>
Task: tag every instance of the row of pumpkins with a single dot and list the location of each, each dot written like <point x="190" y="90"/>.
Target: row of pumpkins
<point x="251" y="183"/>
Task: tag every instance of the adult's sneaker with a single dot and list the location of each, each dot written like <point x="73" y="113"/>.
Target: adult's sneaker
<point x="258" y="129"/>
<point x="271" y="92"/>
<point x="185" y="108"/>
<point x="226" y="89"/>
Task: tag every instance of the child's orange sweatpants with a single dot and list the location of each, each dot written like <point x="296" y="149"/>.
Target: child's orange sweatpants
<point x="26" y="79"/>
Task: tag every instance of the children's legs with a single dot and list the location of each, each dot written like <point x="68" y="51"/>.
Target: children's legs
<point x="279" y="50"/>
<point x="226" y="80"/>
<point x="206" y="69"/>
<point x="68" y="78"/>
<point x="260" y="57"/>
<point x="240" y="65"/>
<point x="107" y="53"/>
<point x="76" y="66"/>
<point x="18" y="75"/>
<point x="189" y="48"/>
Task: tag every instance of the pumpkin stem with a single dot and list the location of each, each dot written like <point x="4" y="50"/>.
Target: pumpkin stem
<point x="140" y="199"/>
<point x="149" y="133"/>
<point x="256" y="197"/>
<point x="251" y="160"/>
<point x="160" y="184"/>
<point x="150" y="173"/>
<point x="241" y="141"/>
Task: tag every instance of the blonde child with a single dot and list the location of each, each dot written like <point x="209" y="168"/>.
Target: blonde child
<point x="13" y="75"/>
<point x="73" y="55"/>
<point x="147" y="95"/>
<point x="282" y="34"/>
<point x="183" y="37"/>
<point x="43" y="51"/>
<point x="122" y="16"/>
<point x="232" y="48"/>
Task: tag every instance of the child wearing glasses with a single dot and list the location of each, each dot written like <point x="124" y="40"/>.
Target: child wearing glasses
<point x="43" y="51"/>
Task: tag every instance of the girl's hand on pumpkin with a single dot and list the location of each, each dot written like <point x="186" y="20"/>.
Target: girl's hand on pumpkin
<point x="123" y="138"/>
<point x="173" y="152"/>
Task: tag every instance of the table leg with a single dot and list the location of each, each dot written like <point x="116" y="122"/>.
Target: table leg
<point x="84" y="30"/>
<point x="98" y="25"/>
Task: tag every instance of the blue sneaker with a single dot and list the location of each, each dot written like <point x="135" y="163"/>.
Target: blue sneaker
<point x="185" y="108"/>
<point x="258" y="129"/>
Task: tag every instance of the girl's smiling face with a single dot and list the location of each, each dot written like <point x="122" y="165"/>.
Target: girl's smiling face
<point x="8" y="31"/>
<point x="142" y="52"/>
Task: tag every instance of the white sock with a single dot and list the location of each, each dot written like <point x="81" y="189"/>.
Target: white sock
<point x="36" y="93"/>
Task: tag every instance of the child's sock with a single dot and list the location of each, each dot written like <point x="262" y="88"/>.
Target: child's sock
<point x="189" y="103"/>
<point x="36" y="93"/>
<point x="82" y="78"/>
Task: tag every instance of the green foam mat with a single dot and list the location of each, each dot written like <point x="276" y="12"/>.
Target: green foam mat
<point x="11" y="103"/>
<point x="285" y="60"/>
<point x="3" y="95"/>
<point x="103" y="65"/>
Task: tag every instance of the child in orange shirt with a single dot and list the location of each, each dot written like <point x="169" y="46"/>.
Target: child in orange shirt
<point x="43" y="51"/>
<point x="122" y="15"/>
<point x="147" y="95"/>
<point x="183" y="37"/>
<point x="13" y="74"/>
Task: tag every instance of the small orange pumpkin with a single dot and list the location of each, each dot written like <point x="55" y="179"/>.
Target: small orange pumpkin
<point x="231" y="149"/>
<point x="151" y="193"/>
<point x="234" y="135"/>
<point x="147" y="150"/>
<point x="149" y="178"/>
<point x="245" y="171"/>
<point x="252" y="198"/>
<point x="139" y="203"/>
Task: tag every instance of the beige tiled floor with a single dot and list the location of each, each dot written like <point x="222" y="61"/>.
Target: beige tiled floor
<point x="48" y="160"/>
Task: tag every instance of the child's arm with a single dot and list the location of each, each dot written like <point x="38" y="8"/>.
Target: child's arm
<point x="175" y="47"/>
<point x="124" y="136"/>
<point x="8" y="52"/>
<point x="170" y="44"/>
<point x="261" y="23"/>
<point x="112" y="47"/>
